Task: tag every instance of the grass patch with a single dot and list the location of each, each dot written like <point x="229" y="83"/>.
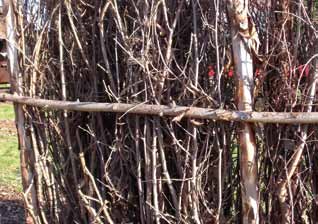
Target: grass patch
<point x="4" y="85"/>
<point x="9" y="153"/>
<point x="9" y="162"/>
<point x="6" y="111"/>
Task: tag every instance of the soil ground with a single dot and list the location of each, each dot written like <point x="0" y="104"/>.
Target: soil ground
<point x="11" y="206"/>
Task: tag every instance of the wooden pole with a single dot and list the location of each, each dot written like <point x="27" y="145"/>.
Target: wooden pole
<point x="244" y="43"/>
<point x="167" y="111"/>
<point x="24" y="143"/>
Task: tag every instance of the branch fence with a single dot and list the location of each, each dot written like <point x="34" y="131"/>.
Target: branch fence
<point x="126" y="110"/>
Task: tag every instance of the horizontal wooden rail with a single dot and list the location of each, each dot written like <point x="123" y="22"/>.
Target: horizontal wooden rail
<point x="161" y="110"/>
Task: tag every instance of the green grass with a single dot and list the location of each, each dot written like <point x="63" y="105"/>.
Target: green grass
<point x="5" y="85"/>
<point x="9" y="153"/>
<point x="6" y="112"/>
<point x="9" y="162"/>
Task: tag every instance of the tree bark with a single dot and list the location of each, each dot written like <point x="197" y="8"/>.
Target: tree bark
<point x="244" y="43"/>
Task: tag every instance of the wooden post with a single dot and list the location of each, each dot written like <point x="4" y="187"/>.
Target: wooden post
<point x="244" y="42"/>
<point x="16" y="88"/>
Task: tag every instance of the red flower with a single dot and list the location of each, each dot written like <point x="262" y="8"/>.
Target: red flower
<point x="300" y="68"/>
<point x="211" y="72"/>
<point x="257" y="72"/>
<point x="306" y="70"/>
<point x="231" y="73"/>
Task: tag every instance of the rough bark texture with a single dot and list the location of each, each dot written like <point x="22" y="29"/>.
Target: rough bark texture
<point x="243" y="44"/>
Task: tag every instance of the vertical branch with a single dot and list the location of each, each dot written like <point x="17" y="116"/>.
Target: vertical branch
<point x="148" y="188"/>
<point x="194" y="180"/>
<point x="243" y="46"/>
<point x="38" y="174"/>
<point x="298" y="28"/>
<point x="216" y="5"/>
<point x="195" y="42"/>
<point x="169" y="49"/>
<point x="220" y="176"/>
<point x="154" y="176"/>
<point x="139" y="174"/>
<point x="165" y="168"/>
<point x="103" y="47"/>
<point x="64" y="95"/>
<point x="75" y="33"/>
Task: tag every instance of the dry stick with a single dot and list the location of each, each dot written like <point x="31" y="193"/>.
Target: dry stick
<point x="92" y="162"/>
<point x="92" y="180"/>
<point x="55" y="195"/>
<point x="38" y="175"/>
<point x="64" y="96"/>
<point x="154" y="175"/>
<point x="146" y="141"/>
<point x="298" y="29"/>
<point x="119" y="21"/>
<point x="102" y="203"/>
<point x="282" y="191"/>
<point x="24" y="142"/>
<point x="194" y="192"/>
<point x="99" y="121"/>
<point x="36" y="59"/>
<point x="52" y="180"/>
<point x="78" y="42"/>
<point x="45" y="172"/>
<point x="194" y="181"/>
<point x="168" y="111"/>
<point x="104" y="52"/>
<point x="38" y="164"/>
<point x="117" y="63"/>
<point x="220" y="179"/>
<point x="139" y="175"/>
<point x="165" y="169"/>
<point x="216" y="5"/>
<point x="91" y="210"/>
<point x="182" y="172"/>
<point x="195" y="43"/>
<point x="244" y="82"/>
<point x="28" y="207"/>
<point x="40" y="167"/>
<point x="169" y="52"/>
<point x="117" y="43"/>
